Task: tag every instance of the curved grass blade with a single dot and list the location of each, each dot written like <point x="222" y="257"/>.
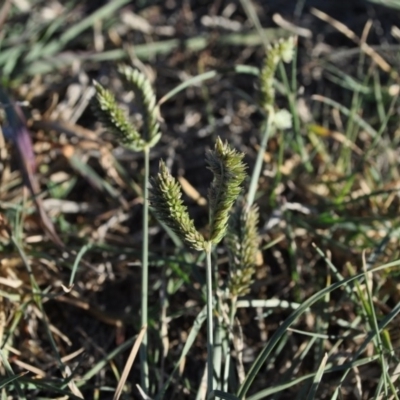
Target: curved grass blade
<point x="239" y="69"/>
<point x="6" y="381"/>
<point x="101" y="364"/>
<point x="317" y="378"/>
<point x="190" y="82"/>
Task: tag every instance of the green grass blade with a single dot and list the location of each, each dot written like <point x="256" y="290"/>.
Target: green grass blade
<point x="78" y="258"/>
<point x="317" y="379"/>
<point x="190" y="82"/>
<point x="104" y="361"/>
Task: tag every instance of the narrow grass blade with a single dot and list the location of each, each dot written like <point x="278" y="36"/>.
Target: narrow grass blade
<point x="6" y="381"/>
<point x="91" y="175"/>
<point x="190" y="82"/>
<point x="11" y="374"/>
<point x="78" y="258"/>
<point x="195" y="80"/>
<point x="317" y="379"/>
<point x="48" y="386"/>
<point x="385" y="321"/>
<point x="101" y="364"/>
<point x="253" y="17"/>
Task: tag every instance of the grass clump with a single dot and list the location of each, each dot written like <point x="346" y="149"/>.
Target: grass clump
<point x="229" y="172"/>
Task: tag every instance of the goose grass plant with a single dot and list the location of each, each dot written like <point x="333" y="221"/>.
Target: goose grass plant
<point x="165" y="197"/>
<point x="114" y="119"/>
<point x="242" y="235"/>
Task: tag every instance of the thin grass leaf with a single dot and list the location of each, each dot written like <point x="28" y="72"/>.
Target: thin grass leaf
<point x="190" y="82"/>
<point x="195" y="80"/>
<point x="385" y="321"/>
<point x="10" y="372"/>
<point x="104" y="361"/>
<point x="49" y="386"/>
<point x="317" y="379"/>
<point x="346" y="81"/>
<point x="387" y="3"/>
<point x="7" y="381"/>
<point x="87" y="172"/>
<point x="78" y="258"/>
<point x="296" y="364"/>
<point x="75" y="30"/>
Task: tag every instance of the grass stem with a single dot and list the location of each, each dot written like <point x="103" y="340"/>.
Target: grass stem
<point x="210" y="326"/>
<point x="144" y="367"/>
<point x="260" y="157"/>
<point x="229" y="332"/>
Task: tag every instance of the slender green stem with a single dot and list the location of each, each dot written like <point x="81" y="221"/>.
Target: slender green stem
<point x="210" y="326"/>
<point x="260" y="157"/>
<point x="144" y="367"/>
<point x="232" y="313"/>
